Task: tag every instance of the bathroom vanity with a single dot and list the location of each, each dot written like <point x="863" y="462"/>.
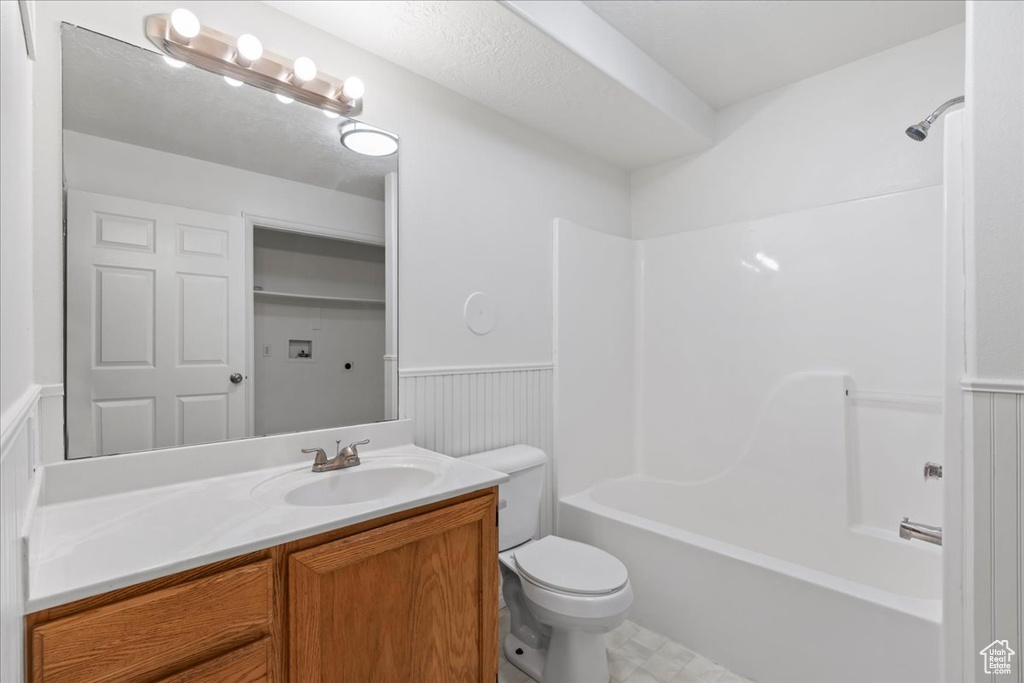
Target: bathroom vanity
<point x="399" y="586"/>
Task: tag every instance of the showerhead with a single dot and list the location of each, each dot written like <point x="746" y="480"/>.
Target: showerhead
<point x="919" y="131"/>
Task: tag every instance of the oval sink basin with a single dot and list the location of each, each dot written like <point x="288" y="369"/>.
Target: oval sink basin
<point x="360" y="486"/>
<point x="377" y="478"/>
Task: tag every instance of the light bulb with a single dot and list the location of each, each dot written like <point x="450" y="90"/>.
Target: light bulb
<point x="233" y="82"/>
<point x="304" y="69"/>
<point x="284" y="99"/>
<point x="173" y="63"/>
<point x="330" y="114"/>
<point x="250" y="49"/>
<point x="353" y="89"/>
<point x="185" y="24"/>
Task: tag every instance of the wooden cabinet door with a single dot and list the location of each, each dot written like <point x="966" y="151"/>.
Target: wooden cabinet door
<point x="416" y="600"/>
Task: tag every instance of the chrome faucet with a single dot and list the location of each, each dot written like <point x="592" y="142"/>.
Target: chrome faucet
<point x="923" y="532"/>
<point x="344" y="458"/>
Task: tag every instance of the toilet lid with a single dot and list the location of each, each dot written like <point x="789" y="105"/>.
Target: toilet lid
<point x="570" y="567"/>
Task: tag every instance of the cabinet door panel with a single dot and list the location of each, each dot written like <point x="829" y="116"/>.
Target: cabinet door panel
<point x="411" y="601"/>
<point x="144" y="638"/>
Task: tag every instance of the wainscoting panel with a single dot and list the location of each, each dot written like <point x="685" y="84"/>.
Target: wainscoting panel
<point x="19" y="436"/>
<point x="998" y="448"/>
<point x="459" y="411"/>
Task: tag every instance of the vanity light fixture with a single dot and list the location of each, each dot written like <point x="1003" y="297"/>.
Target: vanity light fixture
<point x="173" y="63"/>
<point x="364" y="139"/>
<point x="233" y="82"/>
<point x="331" y="114"/>
<point x="181" y="37"/>
<point x="284" y="99"/>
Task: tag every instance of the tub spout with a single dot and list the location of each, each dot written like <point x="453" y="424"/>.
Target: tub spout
<point x="923" y="532"/>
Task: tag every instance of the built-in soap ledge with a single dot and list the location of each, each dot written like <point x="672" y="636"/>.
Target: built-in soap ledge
<point x="102" y="476"/>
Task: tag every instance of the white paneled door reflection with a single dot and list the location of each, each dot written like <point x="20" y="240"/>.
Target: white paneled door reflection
<point x="155" y="325"/>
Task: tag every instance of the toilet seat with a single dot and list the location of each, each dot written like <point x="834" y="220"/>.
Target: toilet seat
<point x="569" y="567"/>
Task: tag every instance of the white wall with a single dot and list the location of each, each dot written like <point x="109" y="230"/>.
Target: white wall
<point x="18" y="393"/>
<point x="16" y="351"/>
<point x="994" y="225"/>
<point x="95" y="164"/>
<point x="809" y="239"/>
<point x="594" y="356"/>
<point x="827" y="139"/>
<point x="995" y="138"/>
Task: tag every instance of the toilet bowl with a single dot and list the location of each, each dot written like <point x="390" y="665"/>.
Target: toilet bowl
<point x="573" y="594"/>
<point x="562" y="595"/>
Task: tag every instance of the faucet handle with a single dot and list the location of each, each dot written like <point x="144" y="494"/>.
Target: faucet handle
<point x="352" y="450"/>
<point x="321" y="457"/>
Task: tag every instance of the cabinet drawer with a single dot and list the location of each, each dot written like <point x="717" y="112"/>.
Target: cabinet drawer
<point x="144" y="638"/>
<point x="249" y="664"/>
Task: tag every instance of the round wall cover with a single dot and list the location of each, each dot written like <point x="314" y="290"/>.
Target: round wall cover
<point x="479" y="313"/>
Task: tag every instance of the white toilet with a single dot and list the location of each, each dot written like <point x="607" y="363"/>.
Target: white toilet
<point x="563" y="596"/>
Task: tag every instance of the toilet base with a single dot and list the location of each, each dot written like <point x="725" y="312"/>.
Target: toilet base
<point x="578" y="657"/>
<point x="525" y="658"/>
<point x="575" y="657"/>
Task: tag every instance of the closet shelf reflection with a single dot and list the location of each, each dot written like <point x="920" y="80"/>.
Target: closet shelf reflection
<point x="314" y="298"/>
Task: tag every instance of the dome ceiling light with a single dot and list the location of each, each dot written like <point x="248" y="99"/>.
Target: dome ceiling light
<point x="364" y="139"/>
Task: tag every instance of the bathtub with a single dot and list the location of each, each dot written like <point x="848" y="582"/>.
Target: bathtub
<point x="770" y="592"/>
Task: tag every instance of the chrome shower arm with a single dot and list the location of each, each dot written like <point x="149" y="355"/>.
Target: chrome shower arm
<point x="943" y="107"/>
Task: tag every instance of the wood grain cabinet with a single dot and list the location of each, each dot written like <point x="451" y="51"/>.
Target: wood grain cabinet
<point x="409" y="597"/>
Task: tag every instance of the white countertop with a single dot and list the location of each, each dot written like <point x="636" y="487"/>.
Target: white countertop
<point x="86" y="547"/>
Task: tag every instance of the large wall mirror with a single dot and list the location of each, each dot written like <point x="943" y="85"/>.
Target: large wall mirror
<point x="231" y="267"/>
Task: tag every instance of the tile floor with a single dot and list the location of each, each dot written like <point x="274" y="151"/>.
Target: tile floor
<point x="636" y="655"/>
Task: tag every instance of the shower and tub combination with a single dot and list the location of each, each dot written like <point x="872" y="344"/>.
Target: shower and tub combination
<point x="761" y="567"/>
<point x="764" y="529"/>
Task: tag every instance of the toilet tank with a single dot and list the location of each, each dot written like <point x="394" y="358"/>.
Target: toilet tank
<point x="519" y="499"/>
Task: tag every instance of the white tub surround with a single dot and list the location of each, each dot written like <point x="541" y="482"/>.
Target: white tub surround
<point x="806" y="291"/>
<point x="84" y="546"/>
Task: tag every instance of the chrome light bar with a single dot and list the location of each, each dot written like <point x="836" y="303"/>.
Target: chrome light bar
<point x="219" y="53"/>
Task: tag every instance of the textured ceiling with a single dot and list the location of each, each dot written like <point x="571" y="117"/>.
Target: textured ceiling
<point x="727" y="52"/>
<point x="118" y="91"/>
<point x="487" y="53"/>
